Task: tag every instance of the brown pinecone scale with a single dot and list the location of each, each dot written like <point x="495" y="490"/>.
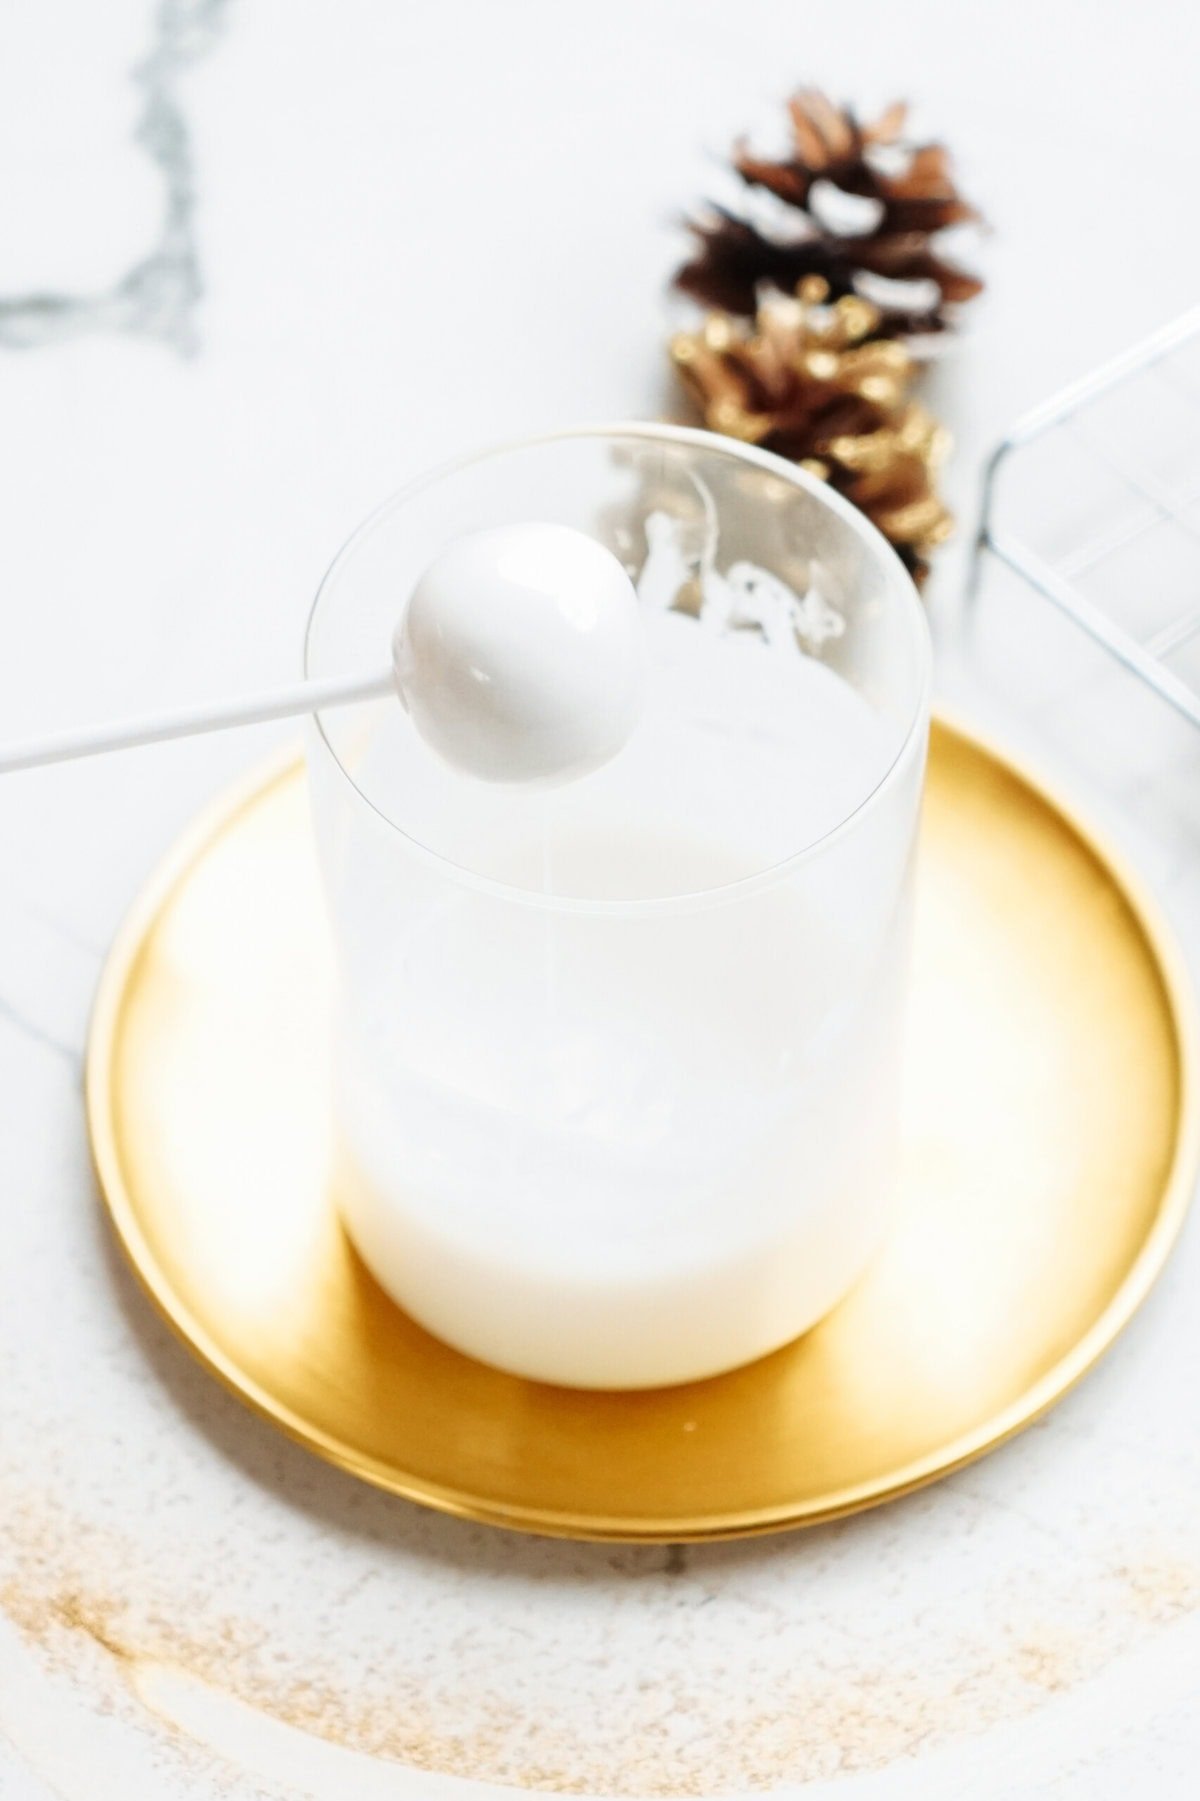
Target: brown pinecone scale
<point x="857" y="205"/>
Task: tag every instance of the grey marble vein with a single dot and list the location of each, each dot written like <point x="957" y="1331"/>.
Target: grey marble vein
<point x="26" y="1028"/>
<point x="62" y="928"/>
<point x="157" y="297"/>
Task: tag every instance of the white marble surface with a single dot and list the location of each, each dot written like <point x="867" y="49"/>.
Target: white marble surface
<point x="258" y="263"/>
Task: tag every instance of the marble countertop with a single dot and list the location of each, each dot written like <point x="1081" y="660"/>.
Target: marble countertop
<point x="258" y="264"/>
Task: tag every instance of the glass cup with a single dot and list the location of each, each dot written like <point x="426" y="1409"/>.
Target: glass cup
<point x="616" y="1065"/>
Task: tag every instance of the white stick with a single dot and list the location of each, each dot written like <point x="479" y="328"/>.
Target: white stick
<point x="255" y="709"/>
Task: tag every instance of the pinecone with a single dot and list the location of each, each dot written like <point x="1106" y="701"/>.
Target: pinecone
<point x="813" y="380"/>
<point x="857" y="205"/>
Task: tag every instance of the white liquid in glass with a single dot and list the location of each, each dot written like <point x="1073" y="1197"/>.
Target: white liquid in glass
<point x="618" y="1146"/>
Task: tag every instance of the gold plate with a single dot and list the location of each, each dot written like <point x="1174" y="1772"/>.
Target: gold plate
<point x="1051" y="1137"/>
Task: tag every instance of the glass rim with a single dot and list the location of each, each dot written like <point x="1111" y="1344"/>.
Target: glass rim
<point x="899" y="583"/>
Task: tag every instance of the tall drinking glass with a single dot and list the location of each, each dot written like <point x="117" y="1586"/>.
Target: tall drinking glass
<point x="616" y="1064"/>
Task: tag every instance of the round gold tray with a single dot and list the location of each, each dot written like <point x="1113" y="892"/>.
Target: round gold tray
<point x="1051" y="1142"/>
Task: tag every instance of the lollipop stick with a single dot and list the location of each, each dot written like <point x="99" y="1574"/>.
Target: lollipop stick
<point x="254" y="709"/>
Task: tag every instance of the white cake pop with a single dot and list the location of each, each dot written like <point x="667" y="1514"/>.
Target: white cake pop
<point x="520" y="657"/>
<point x="521" y="654"/>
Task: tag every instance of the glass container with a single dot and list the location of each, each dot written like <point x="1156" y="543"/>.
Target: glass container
<point x="616" y="1065"/>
